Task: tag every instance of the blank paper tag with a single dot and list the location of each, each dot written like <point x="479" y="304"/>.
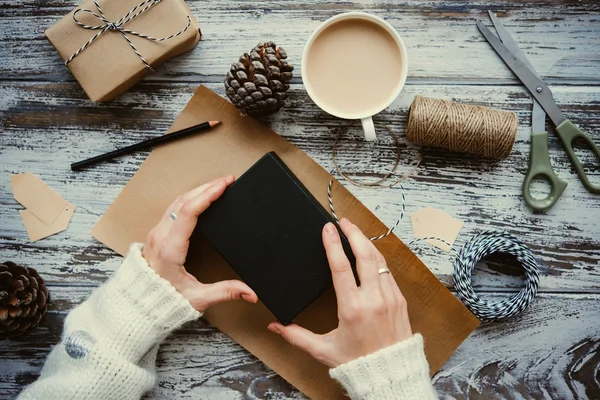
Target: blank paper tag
<point x="37" y="230"/>
<point x="430" y="222"/>
<point x="46" y="212"/>
<point x="39" y="199"/>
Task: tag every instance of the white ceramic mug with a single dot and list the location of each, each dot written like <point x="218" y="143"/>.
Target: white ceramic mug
<point x="365" y="114"/>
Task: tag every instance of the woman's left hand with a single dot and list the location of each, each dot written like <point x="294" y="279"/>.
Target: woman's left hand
<point x="168" y="242"/>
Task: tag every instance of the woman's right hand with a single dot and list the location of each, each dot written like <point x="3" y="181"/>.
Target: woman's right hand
<point x="372" y="316"/>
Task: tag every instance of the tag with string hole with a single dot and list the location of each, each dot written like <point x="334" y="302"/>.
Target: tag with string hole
<point x="429" y="222"/>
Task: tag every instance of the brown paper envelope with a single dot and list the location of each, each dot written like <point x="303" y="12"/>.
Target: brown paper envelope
<point x="233" y="147"/>
<point x="37" y="230"/>
<point x="39" y="199"/>
<point x="429" y="222"/>
<point x="109" y="66"/>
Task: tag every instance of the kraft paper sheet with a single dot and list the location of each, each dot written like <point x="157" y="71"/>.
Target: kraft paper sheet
<point x="233" y="147"/>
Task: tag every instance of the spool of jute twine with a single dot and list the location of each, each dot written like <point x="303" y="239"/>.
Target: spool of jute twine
<point x="462" y="128"/>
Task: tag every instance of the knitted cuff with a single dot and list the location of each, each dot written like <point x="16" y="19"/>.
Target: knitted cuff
<point x="140" y="307"/>
<point x="396" y="372"/>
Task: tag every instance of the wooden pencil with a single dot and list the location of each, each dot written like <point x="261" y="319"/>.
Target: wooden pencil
<point x="145" y="144"/>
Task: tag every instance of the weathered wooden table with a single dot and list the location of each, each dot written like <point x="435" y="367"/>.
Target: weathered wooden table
<point x="550" y="351"/>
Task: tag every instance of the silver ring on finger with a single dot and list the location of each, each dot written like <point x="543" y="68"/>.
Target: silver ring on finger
<point x="173" y="215"/>
<point x="383" y="270"/>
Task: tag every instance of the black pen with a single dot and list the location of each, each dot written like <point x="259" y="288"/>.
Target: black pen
<point x="145" y="144"/>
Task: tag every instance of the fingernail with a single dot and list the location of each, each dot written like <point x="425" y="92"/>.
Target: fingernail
<point x="330" y="229"/>
<point x="248" y="298"/>
<point x="274" y="328"/>
<point x="220" y="182"/>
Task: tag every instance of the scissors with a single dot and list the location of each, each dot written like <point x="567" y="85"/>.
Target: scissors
<point x="543" y="103"/>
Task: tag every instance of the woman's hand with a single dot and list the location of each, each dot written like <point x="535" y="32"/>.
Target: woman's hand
<point x="167" y="246"/>
<point x="371" y="317"/>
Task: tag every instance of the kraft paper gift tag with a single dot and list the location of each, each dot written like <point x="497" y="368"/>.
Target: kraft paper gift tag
<point x="109" y="67"/>
<point x="46" y="212"/>
<point x="430" y="222"/>
<point x="233" y="147"/>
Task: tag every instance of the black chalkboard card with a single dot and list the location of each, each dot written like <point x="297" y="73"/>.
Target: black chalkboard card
<point x="268" y="226"/>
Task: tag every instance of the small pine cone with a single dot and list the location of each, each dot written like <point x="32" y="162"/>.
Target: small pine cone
<point x="23" y="300"/>
<point x="257" y="83"/>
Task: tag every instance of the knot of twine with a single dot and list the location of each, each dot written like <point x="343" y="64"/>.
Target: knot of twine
<point x="118" y="26"/>
<point x="462" y="128"/>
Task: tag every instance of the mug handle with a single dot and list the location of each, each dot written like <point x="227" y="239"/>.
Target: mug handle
<point x="369" y="129"/>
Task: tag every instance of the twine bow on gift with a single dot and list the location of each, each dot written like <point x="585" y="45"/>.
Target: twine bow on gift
<point x="118" y="26"/>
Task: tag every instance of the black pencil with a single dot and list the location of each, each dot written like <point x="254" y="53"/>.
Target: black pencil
<point x="145" y="144"/>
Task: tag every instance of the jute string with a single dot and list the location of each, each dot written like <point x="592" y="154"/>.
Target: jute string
<point x="390" y="173"/>
<point x="377" y="184"/>
<point x="462" y="128"/>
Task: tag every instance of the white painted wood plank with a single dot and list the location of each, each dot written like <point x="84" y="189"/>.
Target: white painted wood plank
<point x="562" y="39"/>
<point x="48" y="126"/>
<point x="548" y="352"/>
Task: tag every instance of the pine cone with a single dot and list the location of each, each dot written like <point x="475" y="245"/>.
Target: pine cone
<point x="23" y="299"/>
<point x="256" y="84"/>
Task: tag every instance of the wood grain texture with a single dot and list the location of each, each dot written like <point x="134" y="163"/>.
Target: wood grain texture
<point x="564" y="239"/>
<point x="550" y="351"/>
<point x="518" y="359"/>
<point x="442" y="39"/>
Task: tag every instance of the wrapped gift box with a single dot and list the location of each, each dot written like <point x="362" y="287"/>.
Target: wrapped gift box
<point x="108" y="65"/>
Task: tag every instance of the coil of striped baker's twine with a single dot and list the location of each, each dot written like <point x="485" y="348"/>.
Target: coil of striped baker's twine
<point x="478" y="247"/>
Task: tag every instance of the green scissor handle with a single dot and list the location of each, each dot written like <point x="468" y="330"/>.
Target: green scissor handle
<point x="540" y="167"/>
<point x="569" y="132"/>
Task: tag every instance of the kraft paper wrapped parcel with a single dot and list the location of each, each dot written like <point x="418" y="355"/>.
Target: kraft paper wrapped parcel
<point x="109" y="65"/>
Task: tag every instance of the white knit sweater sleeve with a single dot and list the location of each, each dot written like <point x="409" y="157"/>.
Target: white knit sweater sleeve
<point x="398" y="372"/>
<point x="110" y="341"/>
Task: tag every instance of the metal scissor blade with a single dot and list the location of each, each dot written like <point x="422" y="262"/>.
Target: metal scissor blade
<point x="538" y="118"/>
<point x="535" y="85"/>
<point x="510" y="43"/>
<point x="538" y="115"/>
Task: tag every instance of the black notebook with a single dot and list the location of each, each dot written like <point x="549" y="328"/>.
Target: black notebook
<point x="268" y="226"/>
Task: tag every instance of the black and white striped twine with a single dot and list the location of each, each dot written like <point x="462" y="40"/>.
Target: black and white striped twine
<point x="478" y="247"/>
<point x="118" y="26"/>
